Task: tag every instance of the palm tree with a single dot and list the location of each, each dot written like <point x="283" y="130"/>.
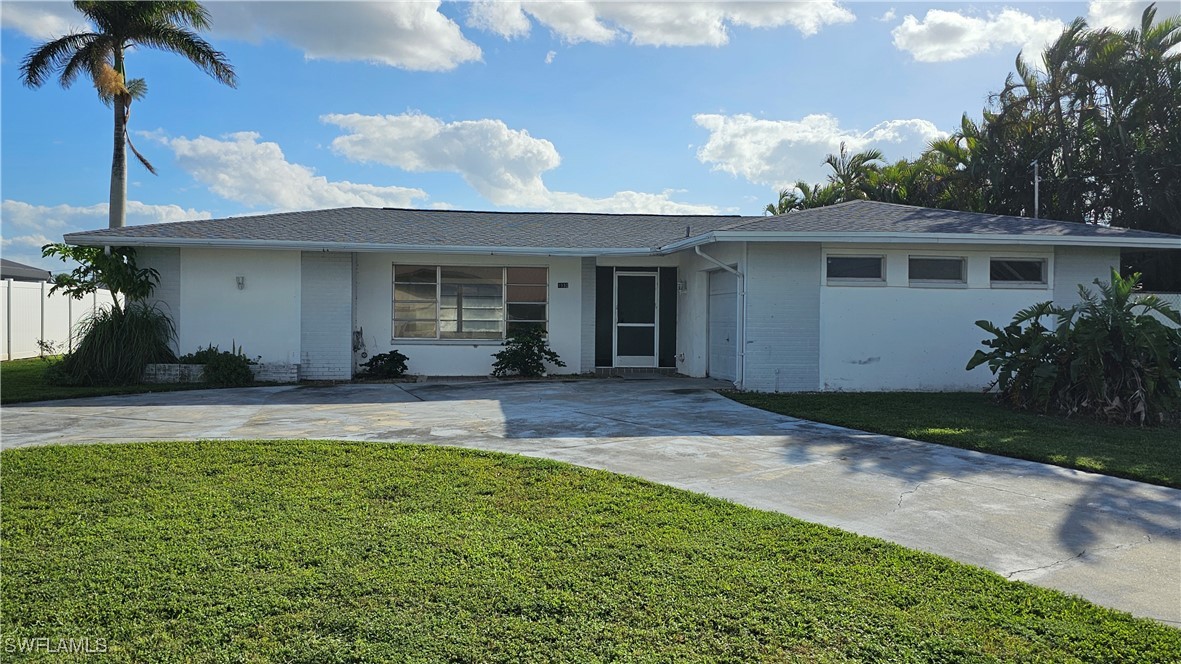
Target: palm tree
<point x="850" y="172"/>
<point x="788" y="200"/>
<point x="167" y="26"/>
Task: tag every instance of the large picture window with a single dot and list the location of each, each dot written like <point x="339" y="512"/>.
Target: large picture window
<point x="467" y="302"/>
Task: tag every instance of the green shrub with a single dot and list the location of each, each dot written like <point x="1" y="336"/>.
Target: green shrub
<point x="525" y="354"/>
<point x="1108" y="357"/>
<point x="116" y="344"/>
<point x="386" y="365"/>
<point x="225" y="368"/>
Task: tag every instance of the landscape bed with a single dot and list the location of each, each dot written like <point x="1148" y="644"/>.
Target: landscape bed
<point x="306" y="551"/>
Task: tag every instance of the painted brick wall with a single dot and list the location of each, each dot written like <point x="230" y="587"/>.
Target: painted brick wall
<point x="588" y="315"/>
<point x="782" y="317"/>
<point x="326" y="316"/>
<point x="1080" y="265"/>
<point x="166" y="261"/>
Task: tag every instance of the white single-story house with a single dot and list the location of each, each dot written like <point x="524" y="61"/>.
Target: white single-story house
<point x="856" y="296"/>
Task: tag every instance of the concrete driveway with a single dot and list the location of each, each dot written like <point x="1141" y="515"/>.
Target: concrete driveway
<point x="1115" y="542"/>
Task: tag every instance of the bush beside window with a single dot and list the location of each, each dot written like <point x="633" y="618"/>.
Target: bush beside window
<point x="1108" y="357"/>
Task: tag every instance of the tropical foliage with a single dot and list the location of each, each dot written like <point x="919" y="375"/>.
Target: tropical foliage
<point x="118" y="340"/>
<point x="99" y="54"/>
<point x="1111" y="356"/>
<point x="525" y="354"/>
<point x="116" y="345"/>
<point x="1101" y="116"/>
<point x="386" y="365"/>
<point x="224" y="368"/>
<point x="112" y="268"/>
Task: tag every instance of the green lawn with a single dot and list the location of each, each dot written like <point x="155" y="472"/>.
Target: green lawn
<point x="974" y="421"/>
<point x="23" y="380"/>
<point x="316" y="552"/>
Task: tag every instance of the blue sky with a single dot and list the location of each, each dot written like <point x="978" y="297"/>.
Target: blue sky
<point x="598" y="106"/>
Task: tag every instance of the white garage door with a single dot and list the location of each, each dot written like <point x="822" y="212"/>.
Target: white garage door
<point x="723" y="325"/>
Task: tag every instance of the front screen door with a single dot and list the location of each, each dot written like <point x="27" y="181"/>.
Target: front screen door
<point x="637" y="307"/>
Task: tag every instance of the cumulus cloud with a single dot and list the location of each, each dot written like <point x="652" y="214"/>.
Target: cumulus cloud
<point x="27" y="227"/>
<point x="41" y="20"/>
<point x="1125" y="14"/>
<point x="409" y="35"/>
<point x="653" y="24"/>
<point x="945" y="35"/>
<point x="549" y="57"/>
<point x="240" y="168"/>
<point x="503" y="165"/>
<point x="779" y="152"/>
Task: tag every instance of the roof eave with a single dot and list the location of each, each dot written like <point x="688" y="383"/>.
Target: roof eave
<point x="924" y="238"/>
<point x="361" y="247"/>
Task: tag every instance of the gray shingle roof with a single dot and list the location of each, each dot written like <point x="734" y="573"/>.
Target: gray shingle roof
<point x="386" y="226"/>
<point x="875" y="217"/>
<point x="21" y="272"/>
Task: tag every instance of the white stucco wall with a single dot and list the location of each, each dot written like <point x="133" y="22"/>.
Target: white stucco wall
<point x="262" y="318"/>
<point x="782" y="317"/>
<point x="374" y="314"/>
<point x="899" y="336"/>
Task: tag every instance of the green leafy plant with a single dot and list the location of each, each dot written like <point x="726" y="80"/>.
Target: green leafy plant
<point x="119" y="340"/>
<point x="1108" y="357"/>
<point x="525" y="354"/>
<point x="116" y="344"/>
<point x="225" y="368"/>
<point x="113" y="269"/>
<point x="386" y="365"/>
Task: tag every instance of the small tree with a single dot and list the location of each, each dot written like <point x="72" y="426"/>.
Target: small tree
<point x="525" y="354"/>
<point x="116" y="342"/>
<point x="1111" y="356"/>
<point x="112" y="268"/>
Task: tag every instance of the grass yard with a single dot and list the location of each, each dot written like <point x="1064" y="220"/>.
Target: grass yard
<point x="24" y="380"/>
<point x="316" y="552"/>
<point x="974" y="421"/>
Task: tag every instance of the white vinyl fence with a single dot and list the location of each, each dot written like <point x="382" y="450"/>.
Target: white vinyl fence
<point x="29" y="313"/>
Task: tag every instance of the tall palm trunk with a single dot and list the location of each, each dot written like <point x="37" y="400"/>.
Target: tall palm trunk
<point x="118" y="211"/>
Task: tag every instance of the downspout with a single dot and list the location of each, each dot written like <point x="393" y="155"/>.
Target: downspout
<point x="741" y="308"/>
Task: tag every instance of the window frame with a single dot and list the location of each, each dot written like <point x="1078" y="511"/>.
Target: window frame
<point x="945" y="283"/>
<point x="1044" y="283"/>
<point x="880" y="280"/>
<point x="438" y="337"/>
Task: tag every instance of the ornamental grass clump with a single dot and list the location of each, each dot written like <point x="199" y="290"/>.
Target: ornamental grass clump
<point x="116" y="344"/>
<point x="1110" y="357"/>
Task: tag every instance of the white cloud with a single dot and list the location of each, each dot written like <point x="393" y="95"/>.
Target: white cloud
<point x="410" y="35"/>
<point x="503" y="165"/>
<point x="888" y="16"/>
<point x="239" y="168"/>
<point x="1125" y="14"/>
<point x="503" y="18"/>
<point x="549" y="57"/>
<point x="943" y="36"/>
<point x="41" y="20"/>
<point x="653" y="24"/>
<point x="28" y="227"/>
<point x="779" y="152"/>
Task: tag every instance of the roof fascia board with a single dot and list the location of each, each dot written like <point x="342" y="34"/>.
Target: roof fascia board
<point x="99" y="241"/>
<point x="923" y="238"/>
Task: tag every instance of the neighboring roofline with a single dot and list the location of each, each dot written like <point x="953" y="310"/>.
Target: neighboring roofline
<point x="83" y="239"/>
<point x="868" y="237"/>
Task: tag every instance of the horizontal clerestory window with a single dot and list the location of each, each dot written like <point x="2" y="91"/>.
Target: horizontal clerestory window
<point x="1017" y="271"/>
<point x="467" y="302"/>
<point x="855" y="268"/>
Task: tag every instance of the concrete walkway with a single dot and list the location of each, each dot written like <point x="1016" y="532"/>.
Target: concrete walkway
<point x="1113" y="541"/>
